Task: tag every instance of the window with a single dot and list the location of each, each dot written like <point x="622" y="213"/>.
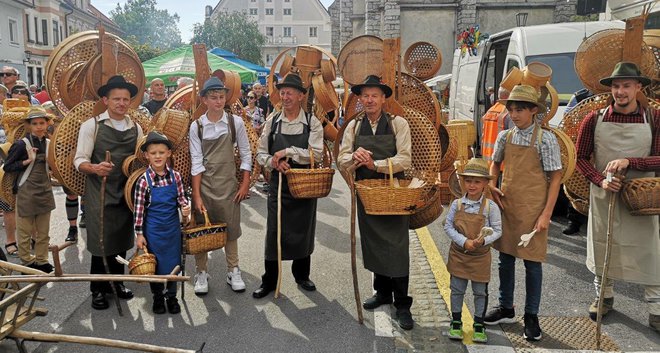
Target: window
<point x="39" y="77"/>
<point x="30" y="75"/>
<point x="61" y="33"/>
<point x="286" y="32"/>
<point x="27" y="27"/>
<point x="56" y="33"/>
<point x="269" y="12"/>
<point x="269" y="0"/>
<point x="269" y="31"/>
<point x="269" y="59"/>
<point x="287" y="12"/>
<point x="13" y="31"/>
<point x="287" y="0"/>
<point x="253" y="11"/>
<point x="44" y="31"/>
<point x="313" y="32"/>
<point x="253" y="0"/>
<point x="36" y="30"/>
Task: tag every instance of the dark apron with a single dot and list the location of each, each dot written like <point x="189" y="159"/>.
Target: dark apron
<point x="473" y="265"/>
<point x="118" y="218"/>
<point x="219" y="183"/>
<point x="35" y="196"/>
<point x="298" y="215"/>
<point x="161" y="226"/>
<point x="384" y="239"/>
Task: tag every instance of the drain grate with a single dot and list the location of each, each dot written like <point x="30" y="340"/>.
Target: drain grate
<point x="569" y="333"/>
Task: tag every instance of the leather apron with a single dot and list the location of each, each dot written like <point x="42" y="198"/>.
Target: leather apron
<point x="635" y="255"/>
<point x="219" y="183"/>
<point x="35" y="196"/>
<point x="119" y="235"/>
<point x="161" y="225"/>
<point x="384" y="239"/>
<point x="525" y="189"/>
<point x="471" y="265"/>
<point x="298" y="215"/>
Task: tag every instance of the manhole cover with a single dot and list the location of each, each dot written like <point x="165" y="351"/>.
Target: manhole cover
<point x="569" y="333"/>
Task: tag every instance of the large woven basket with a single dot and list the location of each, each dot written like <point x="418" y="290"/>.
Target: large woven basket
<point x="642" y="196"/>
<point x="422" y="60"/>
<point x="360" y="57"/>
<point x="383" y="197"/>
<point x="449" y="146"/>
<point x="6" y="187"/>
<point x="143" y="264"/>
<point x="201" y="239"/>
<point x="312" y="183"/>
<point x="429" y="212"/>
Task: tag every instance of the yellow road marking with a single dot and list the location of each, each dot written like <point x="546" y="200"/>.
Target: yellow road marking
<point x="442" y="277"/>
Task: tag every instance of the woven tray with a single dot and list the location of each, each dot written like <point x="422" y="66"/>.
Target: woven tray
<point x="360" y="57"/>
<point x="422" y="60"/>
<point x="596" y="57"/>
<point x="428" y="213"/>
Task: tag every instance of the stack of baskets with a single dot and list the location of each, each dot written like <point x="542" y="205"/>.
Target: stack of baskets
<point x="310" y="183"/>
<point x="144" y="264"/>
<point x="205" y="238"/>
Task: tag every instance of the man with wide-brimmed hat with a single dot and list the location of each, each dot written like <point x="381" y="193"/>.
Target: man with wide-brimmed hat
<point x="115" y="132"/>
<point x="624" y="137"/>
<point x="371" y="139"/>
<point x="287" y="139"/>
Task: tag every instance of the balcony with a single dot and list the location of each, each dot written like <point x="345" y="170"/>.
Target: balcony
<point x="281" y="41"/>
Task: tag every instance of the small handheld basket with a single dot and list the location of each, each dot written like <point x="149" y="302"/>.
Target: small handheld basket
<point x="642" y="196"/>
<point x="310" y="183"/>
<point x="144" y="264"/>
<point x="201" y="239"/>
<point x="382" y="197"/>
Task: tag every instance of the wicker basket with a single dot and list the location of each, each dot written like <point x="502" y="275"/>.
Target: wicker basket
<point x="144" y="264"/>
<point x="422" y="60"/>
<point x="642" y="196"/>
<point x="310" y="183"/>
<point x="382" y="197"/>
<point x="360" y="57"/>
<point x="430" y="212"/>
<point x="201" y="239"/>
<point x="578" y="204"/>
<point x="449" y="148"/>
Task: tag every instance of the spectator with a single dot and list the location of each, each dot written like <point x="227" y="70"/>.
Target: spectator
<point x="42" y="96"/>
<point x="158" y="96"/>
<point x="262" y="100"/>
<point x="9" y="77"/>
<point x="183" y="82"/>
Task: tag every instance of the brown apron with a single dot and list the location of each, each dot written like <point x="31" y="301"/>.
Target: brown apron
<point x="472" y="265"/>
<point x="635" y="253"/>
<point x="35" y="195"/>
<point x="525" y="189"/>
<point x="219" y="183"/>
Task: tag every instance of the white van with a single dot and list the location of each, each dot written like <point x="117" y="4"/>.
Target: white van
<point x="552" y="44"/>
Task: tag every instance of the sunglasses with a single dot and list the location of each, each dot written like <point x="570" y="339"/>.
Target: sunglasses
<point x="3" y="74"/>
<point x="20" y="91"/>
<point x="251" y="97"/>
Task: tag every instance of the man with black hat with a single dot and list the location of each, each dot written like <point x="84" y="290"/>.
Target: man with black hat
<point x="115" y="132"/>
<point x="623" y="137"/>
<point x="285" y="143"/>
<point x="371" y="139"/>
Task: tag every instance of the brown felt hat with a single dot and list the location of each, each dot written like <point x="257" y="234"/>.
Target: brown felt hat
<point x="524" y="93"/>
<point x="476" y="167"/>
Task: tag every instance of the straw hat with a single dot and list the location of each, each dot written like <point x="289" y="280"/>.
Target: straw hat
<point x="524" y="93"/>
<point x="37" y="112"/>
<point x="625" y="70"/>
<point x="476" y="167"/>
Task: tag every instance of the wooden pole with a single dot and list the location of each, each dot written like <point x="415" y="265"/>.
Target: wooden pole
<point x="92" y="278"/>
<point x="279" y="235"/>
<point x="603" y="278"/>
<point x="356" y="286"/>
<point x="102" y="236"/>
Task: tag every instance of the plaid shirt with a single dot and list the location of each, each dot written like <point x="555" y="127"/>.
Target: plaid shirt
<point x="143" y="196"/>
<point x="585" y="143"/>
<point x="548" y="148"/>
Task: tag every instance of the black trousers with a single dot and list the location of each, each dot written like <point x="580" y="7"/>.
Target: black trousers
<point x="385" y="286"/>
<point x="97" y="267"/>
<point x="157" y="289"/>
<point x="300" y="269"/>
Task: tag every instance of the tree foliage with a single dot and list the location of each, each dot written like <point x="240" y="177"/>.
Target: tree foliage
<point x="144" y="51"/>
<point x="149" y="26"/>
<point x="235" y="32"/>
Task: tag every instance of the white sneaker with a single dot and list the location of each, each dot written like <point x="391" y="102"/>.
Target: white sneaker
<point x="235" y="280"/>
<point x="201" y="283"/>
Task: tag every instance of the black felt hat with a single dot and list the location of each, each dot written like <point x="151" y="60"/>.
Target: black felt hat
<point x="117" y="81"/>
<point x="292" y="80"/>
<point x="372" y="81"/>
<point x="625" y="70"/>
<point x="212" y="84"/>
<point x="155" y="137"/>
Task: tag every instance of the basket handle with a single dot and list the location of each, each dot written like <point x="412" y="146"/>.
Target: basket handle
<point x="207" y="223"/>
<point x="311" y="156"/>
<point x="137" y="250"/>
<point x="389" y="166"/>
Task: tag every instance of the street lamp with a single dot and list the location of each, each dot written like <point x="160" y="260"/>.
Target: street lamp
<point x="521" y="19"/>
<point x="28" y="56"/>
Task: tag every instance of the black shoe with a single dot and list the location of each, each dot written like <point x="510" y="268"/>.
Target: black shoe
<point x="159" y="304"/>
<point x="262" y="291"/>
<point x="404" y="318"/>
<point x="123" y="292"/>
<point x="572" y="228"/>
<point x="72" y="236"/>
<point x="99" y="302"/>
<point x="47" y="267"/>
<point x="376" y="301"/>
<point x="173" y="306"/>
<point x="532" y="328"/>
<point x="81" y="223"/>
<point x="307" y="285"/>
<point x="500" y="315"/>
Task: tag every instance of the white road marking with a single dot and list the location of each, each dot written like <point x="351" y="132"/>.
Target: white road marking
<point x="383" y="321"/>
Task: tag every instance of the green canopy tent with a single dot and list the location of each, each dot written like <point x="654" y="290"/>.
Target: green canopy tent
<point x="181" y="63"/>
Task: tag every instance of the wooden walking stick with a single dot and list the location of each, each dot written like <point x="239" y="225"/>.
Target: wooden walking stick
<point x="356" y="287"/>
<point x="101" y="238"/>
<point x="279" y="236"/>
<point x="606" y="265"/>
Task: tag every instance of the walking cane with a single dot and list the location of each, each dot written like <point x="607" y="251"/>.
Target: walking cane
<point x="606" y="265"/>
<point x="356" y="287"/>
<point x="279" y="235"/>
<point x="101" y="238"/>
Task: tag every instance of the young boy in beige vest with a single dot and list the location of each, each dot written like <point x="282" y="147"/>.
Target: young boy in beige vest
<point x="530" y="185"/>
<point x="473" y="223"/>
<point x="33" y="189"/>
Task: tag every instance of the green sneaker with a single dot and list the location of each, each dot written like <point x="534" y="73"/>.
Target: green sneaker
<point x="456" y="330"/>
<point x="479" y="334"/>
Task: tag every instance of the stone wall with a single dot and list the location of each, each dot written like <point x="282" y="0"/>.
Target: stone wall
<point x="392" y="19"/>
<point x="334" y="11"/>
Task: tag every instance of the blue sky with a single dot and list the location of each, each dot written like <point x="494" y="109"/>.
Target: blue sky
<point x="191" y="13"/>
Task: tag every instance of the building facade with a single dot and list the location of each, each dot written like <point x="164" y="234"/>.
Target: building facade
<point x="285" y="23"/>
<point x="439" y="21"/>
<point x="31" y="29"/>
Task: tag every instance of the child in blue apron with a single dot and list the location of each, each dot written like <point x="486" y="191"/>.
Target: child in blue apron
<point x="158" y="194"/>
